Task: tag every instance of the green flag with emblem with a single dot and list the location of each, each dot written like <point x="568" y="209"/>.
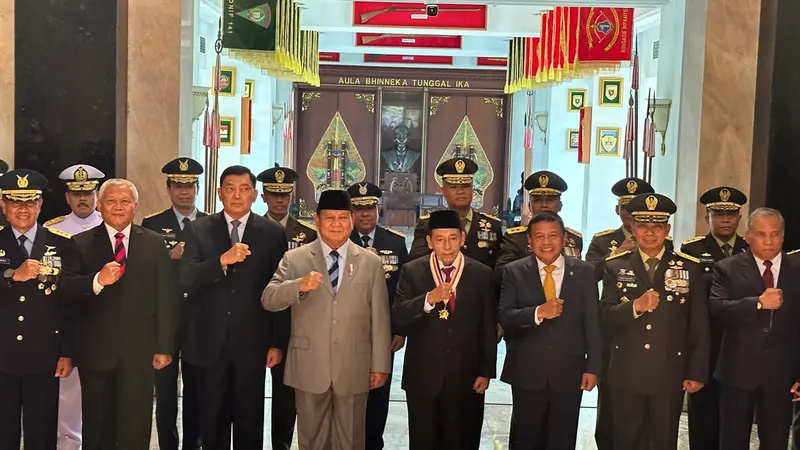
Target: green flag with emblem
<point x="249" y="25"/>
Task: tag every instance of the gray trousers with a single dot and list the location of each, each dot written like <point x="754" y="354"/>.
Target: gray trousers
<point x="329" y="421"/>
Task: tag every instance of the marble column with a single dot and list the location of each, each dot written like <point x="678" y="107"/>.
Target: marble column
<point x="7" y="81"/>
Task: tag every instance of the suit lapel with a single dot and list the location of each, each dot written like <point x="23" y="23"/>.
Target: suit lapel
<point x="320" y="265"/>
<point x="535" y="280"/>
<point x="346" y="277"/>
<point x="740" y="245"/>
<point x="10" y="245"/>
<point x="751" y="274"/>
<point x="250" y="228"/>
<point x="103" y="243"/>
<point x="39" y="242"/>
<point x="566" y="282"/>
<point x="784" y="274"/>
<point x="713" y="248"/>
<point x="639" y="267"/>
<point x="221" y="236"/>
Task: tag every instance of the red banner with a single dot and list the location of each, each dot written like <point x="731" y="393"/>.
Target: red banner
<point x="606" y="35"/>
<point x="407" y="40"/>
<point x="489" y="61"/>
<point x="408" y="59"/>
<point x="413" y="15"/>
<point x="329" y="56"/>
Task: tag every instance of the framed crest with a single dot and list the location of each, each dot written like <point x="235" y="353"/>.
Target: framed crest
<point x="573" y="136"/>
<point x="227" y="128"/>
<point x="611" y="91"/>
<point x="577" y="100"/>
<point x="227" y="82"/>
<point x="249" y="89"/>
<point x="608" y="141"/>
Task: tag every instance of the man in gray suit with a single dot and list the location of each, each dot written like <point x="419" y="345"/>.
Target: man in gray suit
<point x="341" y="332"/>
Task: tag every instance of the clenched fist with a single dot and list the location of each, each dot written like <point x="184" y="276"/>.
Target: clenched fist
<point x="311" y="281"/>
<point x="648" y="302"/>
<point x="109" y="274"/>
<point x="771" y="298"/>
<point x="177" y="252"/>
<point x="550" y="309"/>
<point x="440" y="293"/>
<point x="238" y="253"/>
<point x="28" y="270"/>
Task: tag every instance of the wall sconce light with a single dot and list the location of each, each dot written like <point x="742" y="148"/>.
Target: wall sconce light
<point x="199" y="101"/>
<point x="541" y="124"/>
<point x="277" y="115"/>
<point x="661" y="120"/>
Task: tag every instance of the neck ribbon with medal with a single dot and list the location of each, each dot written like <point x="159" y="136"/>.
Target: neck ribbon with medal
<point x="458" y="265"/>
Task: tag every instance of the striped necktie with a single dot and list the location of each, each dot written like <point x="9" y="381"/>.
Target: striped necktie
<point x="333" y="272"/>
<point x="120" y="256"/>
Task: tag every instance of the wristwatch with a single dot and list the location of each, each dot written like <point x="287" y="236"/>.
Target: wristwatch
<point x="8" y="274"/>
<point x="759" y="305"/>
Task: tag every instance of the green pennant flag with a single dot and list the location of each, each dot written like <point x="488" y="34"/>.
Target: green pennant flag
<point x="249" y="25"/>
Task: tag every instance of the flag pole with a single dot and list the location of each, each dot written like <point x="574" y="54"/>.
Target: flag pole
<point x="635" y="87"/>
<point x="212" y="147"/>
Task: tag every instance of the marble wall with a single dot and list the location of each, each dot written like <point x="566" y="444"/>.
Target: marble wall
<point x="7" y="81"/>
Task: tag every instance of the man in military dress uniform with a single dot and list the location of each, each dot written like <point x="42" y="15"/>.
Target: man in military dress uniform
<point x="81" y="181"/>
<point x="183" y="176"/>
<point x="277" y="189"/>
<point x="3" y="169"/>
<point x="604" y="244"/>
<point x="390" y="245"/>
<point x="722" y="214"/>
<point x="544" y="194"/>
<point x="657" y="305"/>
<point x="34" y="348"/>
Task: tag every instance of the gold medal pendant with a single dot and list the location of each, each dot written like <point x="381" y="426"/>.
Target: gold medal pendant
<point x="444" y="314"/>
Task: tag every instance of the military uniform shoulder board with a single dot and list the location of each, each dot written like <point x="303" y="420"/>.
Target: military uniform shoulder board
<point x="617" y="255"/>
<point x="689" y="257"/>
<point x="669" y="238"/>
<point x="604" y="232"/>
<point x="790" y="253"/>
<point x="694" y="239"/>
<point x="574" y="232"/>
<point x="60" y="233"/>
<point x="426" y="216"/>
<point x="155" y="213"/>
<point x="55" y="221"/>
<point x="491" y="216"/>
<point x="396" y="232"/>
<point x="1" y="227"/>
<point x="516" y="230"/>
<point x="307" y="224"/>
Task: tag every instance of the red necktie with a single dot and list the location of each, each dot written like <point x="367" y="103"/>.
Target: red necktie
<point x="119" y="253"/>
<point x="451" y="305"/>
<point x="766" y="277"/>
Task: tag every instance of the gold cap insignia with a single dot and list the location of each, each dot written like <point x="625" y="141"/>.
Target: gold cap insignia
<point x="81" y="174"/>
<point x="632" y="186"/>
<point x="362" y="189"/>
<point x="544" y="180"/>
<point x="279" y="176"/>
<point x="651" y="202"/>
<point x="22" y="182"/>
<point x="460" y="165"/>
<point x="724" y="195"/>
<point x="183" y="165"/>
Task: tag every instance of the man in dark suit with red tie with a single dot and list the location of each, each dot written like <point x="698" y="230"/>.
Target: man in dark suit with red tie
<point x="756" y="296"/>
<point x="121" y="286"/>
<point x="549" y="311"/>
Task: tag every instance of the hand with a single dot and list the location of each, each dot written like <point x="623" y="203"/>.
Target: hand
<point x="771" y="298"/>
<point x="161" y="361"/>
<point x="628" y="244"/>
<point x="648" y="302"/>
<point x="588" y="382"/>
<point x="481" y="385"/>
<point x="63" y="368"/>
<point x="28" y="270"/>
<point x="311" y="281"/>
<point x="692" y="386"/>
<point x="550" y="309"/>
<point x="177" y="252"/>
<point x="377" y="379"/>
<point x="236" y="254"/>
<point x="397" y="343"/>
<point x="440" y="293"/>
<point x="274" y="357"/>
<point x="796" y="391"/>
<point x="109" y="274"/>
<point x="373" y="250"/>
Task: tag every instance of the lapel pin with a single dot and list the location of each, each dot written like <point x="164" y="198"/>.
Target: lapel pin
<point x="350" y="268"/>
<point x="570" y="273"/>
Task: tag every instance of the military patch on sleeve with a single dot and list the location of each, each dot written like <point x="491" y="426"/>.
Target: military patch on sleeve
<point x="396" y="232"/>
<point x="669" y="238"/>
<point x="55" y="221"/>
<point x="694" y="239"/>
<point x="516" y="230"/>
<point x="574" y="232"/>
<point x="155" y="213"/>
<point x="617" y="255"/>
<point x="60" y="233"/>
<point x="689" y="257"/>
<point x="307" y="224"/>
<point x="604" y="232"/>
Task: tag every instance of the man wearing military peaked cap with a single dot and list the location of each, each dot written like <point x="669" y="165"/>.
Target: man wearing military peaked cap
<point x="34" y="330"/>
<point x="722" y="215"/>
<point x="656" y="305"/>
<point x="278" y="180"/>
<point x="183" y="171"/>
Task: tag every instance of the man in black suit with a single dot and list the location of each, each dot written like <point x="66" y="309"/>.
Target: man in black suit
<point x="278" y="186"/>
<point x="549" y="311"/>
<point x="390" y="245"/>
<point x="32" y="316"/>
<point x="758" y="363"/>
<point x="722" y="215"/>
<point x="183" y="175"/>
<point x="229" y="258"/>
<point x="121" y="285"/>
<point x="446" y="304"/>
<point x="656" y="305"/>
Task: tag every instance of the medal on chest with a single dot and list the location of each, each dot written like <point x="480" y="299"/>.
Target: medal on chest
<point x="458" y="264"/>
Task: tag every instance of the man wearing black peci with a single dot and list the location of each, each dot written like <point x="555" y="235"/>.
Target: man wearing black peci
<point x="446" y="303"/>
<point x="229" y="258"/>
<point x="183" y="175"/>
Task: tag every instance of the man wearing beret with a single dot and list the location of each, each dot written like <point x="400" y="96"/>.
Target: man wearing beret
<point x="340" y="346"/>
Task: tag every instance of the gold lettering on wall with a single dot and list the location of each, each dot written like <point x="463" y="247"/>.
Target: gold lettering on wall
<point x="432" y="83"/>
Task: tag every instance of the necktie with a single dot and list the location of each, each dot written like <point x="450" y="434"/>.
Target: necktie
<point x="448" y="271"/>
<point x="652" y="265"/>
<point x="120" y="256"/>
<point x="766" y="277"/>
<point x="726" y="249"/>
<point x="235" y="232"/>
<point x="549" y="283"/>
<point x="465" y="224"/>
<point x="22" y="240"/>
<point x="185" y="222"/>
<point x="365" y="241"/>
<point x="333" y="272"/>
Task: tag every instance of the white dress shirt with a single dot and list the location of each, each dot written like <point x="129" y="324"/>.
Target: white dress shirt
<point x="776" y="267"/>
<point x="427" y="307"/>
<point x="558" y="276"/>
<point x="371" y="235"/>
<point x="242" y="223"/>
<point x="96" y="286"/>
<point x="343" y="251"/>
<point x="180" y="216"/>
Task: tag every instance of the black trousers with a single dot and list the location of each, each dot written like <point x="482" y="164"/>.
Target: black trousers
<point x="646" y="422"/>
<point x="117" y="408"/>
<point x="545" y="419"/>
<point x="37" y="395"/>
<point x="377" y="412"/>
<point x="444" y="422"/>
<point x="475" y="440"/>
<point x="796" y="427"/>
<point x="704" y="417"/>
<point x="774" y="409"/>
<point x="233" y="396"/>
<point x="604" y="426"/>
<point x="284" y="412"/>
<point x="167" y="406"/>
